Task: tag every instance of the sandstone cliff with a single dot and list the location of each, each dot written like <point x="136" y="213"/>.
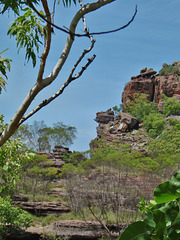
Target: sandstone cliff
<point x="153" y="85"/>
<point x="128" y="129"/>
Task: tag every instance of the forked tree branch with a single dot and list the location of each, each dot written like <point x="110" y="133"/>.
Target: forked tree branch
<point x="42" y="83"/>
<point x="71" y="78"/>
<point x="61" y="90"/>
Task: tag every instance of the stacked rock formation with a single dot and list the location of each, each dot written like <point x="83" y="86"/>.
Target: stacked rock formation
<point x="113" y="129"/>
<point x="58" y="156"/>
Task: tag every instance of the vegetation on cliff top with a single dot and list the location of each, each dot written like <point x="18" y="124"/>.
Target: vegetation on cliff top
<point x="169" y="69"/>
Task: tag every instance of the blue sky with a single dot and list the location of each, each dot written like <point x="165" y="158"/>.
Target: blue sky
<point x="151" y="40"/>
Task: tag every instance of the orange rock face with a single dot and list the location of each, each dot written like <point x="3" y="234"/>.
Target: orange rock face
<point x="153" y="86"/>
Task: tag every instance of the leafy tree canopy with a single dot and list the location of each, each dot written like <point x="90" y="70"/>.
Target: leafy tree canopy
<point x="40" y="137"/>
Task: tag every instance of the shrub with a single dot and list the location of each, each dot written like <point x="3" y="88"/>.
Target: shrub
<point x="171" y="107"/>
<point x="167" y="143"/>
<point x="12" y="217"/>
<point x="68" y="169"/>
<point x="169" y="70"/>
<point x="175" y="124"/>
<point x="140" y="106"/>
<point x="154" y="123"/>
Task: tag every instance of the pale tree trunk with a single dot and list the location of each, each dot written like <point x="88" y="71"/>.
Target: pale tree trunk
<point x="44" y="82"/>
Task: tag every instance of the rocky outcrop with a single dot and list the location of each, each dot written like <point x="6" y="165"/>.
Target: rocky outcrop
<point x="42" y="208"/>
<point x="117" y="130"/>
<point x="127" y="129"/>
<point x="69" y="229"/>
<point x="105" y="117"/>
<point x="138" y="85"/>
<point x="58" y="157"/>
<point x="145" y="73"/>
<point x="142" y="83"/>
<point x="77" y="230"/>
<point x="168" y="85"/>
<point x="127" y="122"/>
<point x="153" y="85"/>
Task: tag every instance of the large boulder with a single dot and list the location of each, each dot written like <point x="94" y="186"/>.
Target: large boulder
<point x="127" y="122"/>
<point x="104" y="117"/>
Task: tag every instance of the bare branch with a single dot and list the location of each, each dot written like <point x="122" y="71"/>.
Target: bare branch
<point x="61" y="90"/>
<point x="68" y="31"/>
<point x="117" y="29"/>
<point x="101" y="222"/>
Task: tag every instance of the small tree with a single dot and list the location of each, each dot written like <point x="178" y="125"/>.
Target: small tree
<point x="11" y="156"/>
<point x="39" y="137"/>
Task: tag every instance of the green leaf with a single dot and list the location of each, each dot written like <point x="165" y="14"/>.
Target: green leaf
<point x="27" y="29"/>
<point x="159" y="218"/>
<point x="166" y="192"/>
<point x="176" y="179"/>
<point x="174" y="232"/>
<point x="5" y="167"/>
<point x="135" y="231"/>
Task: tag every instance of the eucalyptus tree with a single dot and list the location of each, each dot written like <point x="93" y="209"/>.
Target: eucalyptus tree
<point x="40" y="137"/>
<point x="29" y="29"/>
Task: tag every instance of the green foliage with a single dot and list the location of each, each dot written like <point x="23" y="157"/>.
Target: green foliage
<point x="154" y="123"/>
<point x="169" y="70"/>
<point x="76" y="157"/>
<point x="27" y="29"/>
<point x="14" y="5"/>
<point x="141" y="107"/>
<point x="68" y="170"/>
<point x="165" y="150"/>
<point x="80" y="167"/>
<point x="11" y="156"/>
<point x="162" y="216"/>
<point x="117" y="109"/>
<point x="40" y="137"/>
<point x="4" y="67"/>
<point x="45" y="173"/>
<point x="171" y="107"/>
<point x="61" y="134"/>
<point x="36" y="177"/>
<point x="175" y="124"/>
<point x="167" y="143"/>
<point x="123" y="159"/>
<point x="41" y="167"/>
<point x="12" y="217"/>
<point x="51" y="237"/>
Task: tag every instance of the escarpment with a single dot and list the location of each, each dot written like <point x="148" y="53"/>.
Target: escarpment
<point x="154" y="85"/>
<point x="125" y="128"/>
